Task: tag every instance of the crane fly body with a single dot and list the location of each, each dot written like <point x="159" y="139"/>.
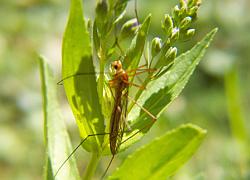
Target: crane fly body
<point x="120" y="85"/>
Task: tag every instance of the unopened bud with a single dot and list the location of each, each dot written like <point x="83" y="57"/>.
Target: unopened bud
<point x="183" y="12"/>
<point x="101" y="9"/>
<point x="183" y="3"/>
<point x="197" y="2"/>
<point x="129" y="27"/>
<point x="167" y="24"/>
<point x="171" y="54"/>
<point x="190" y="33"/>
<point x="175" y="34"/>
<point x="185" y="23"/>
<point x="193" y="9"/>
<point x="193" y="12"/>
<point x="176" y="12"/>
<point x="192" y="3"/>
<point x="155" y="46"/>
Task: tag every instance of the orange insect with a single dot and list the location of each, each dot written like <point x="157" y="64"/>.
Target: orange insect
<point x="117" y="123"/>
<point x="119" y="85"/>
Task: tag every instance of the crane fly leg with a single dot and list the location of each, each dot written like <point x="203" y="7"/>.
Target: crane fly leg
<point x="145" y="110"/>
<point x="139" y="67"/>
<point x="153" y="117"/>
<point x="71" y="154"/>
<point x="142" y="71"/>
<point x="133" y="84"/>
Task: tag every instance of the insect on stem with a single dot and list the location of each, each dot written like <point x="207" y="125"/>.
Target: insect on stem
<point x="119" y="84"/>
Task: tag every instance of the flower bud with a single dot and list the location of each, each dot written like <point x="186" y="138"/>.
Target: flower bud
<point x="176" y="12"/>
<point x="183" y="3"/>
<point x="183" y="12"/>
<point x="192" y="3"/>
<point x="175" y="34"/>
<point x="190" y="33"/>
<point x="171" y="54"/>
<point x="101" y="9"/>
<point x="156" y="46"/>
<point x="167" y="24"/>
<point x="185" y="23"/>
<point x="193" y="12"/>
<point x="193" y="9"/>
<point x="129" y="28"/>
<point x="197" y="2"/>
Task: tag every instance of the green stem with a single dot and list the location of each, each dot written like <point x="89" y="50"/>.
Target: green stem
<point x="102" y="60"/>
<point x="92" y="166"/>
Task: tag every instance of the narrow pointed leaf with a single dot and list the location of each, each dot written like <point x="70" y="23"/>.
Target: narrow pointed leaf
<point x="162" y="157"/>
<point x="166" y="88"/>
<point x="136" y="49"/>
<point x="57" y="142"/>
<point x="81" y="90"/>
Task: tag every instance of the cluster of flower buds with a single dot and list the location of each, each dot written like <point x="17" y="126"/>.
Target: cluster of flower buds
<point x="183" y="16"/>
<point x="177" y="27"/>
<point x="108" y="13"/>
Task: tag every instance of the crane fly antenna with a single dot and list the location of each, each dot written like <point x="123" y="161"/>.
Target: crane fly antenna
<point x="78" y="74"/>
<point x="76" y="149"/>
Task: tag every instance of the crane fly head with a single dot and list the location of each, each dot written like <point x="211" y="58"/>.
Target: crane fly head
<point x="116" y="66"/>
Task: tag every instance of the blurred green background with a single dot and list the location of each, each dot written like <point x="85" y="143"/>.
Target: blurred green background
<point x="217" y="97"/>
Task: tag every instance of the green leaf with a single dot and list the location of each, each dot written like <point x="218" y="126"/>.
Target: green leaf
<point x="81" y="90"/>
<point x="161" y="158"/>
<point x="57" y="142"/>
<point x="134" y="53"/>
<point x="165" y="89"/>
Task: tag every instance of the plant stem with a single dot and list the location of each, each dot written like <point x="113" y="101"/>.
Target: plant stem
<point x="102" y="59"/>
<point x="92" y="166"/>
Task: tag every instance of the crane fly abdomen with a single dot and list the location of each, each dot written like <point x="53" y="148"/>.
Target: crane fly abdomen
<point x="115" y="124"/>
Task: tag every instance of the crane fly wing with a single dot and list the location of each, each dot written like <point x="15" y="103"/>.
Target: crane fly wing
<point x="122" y="124"/>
